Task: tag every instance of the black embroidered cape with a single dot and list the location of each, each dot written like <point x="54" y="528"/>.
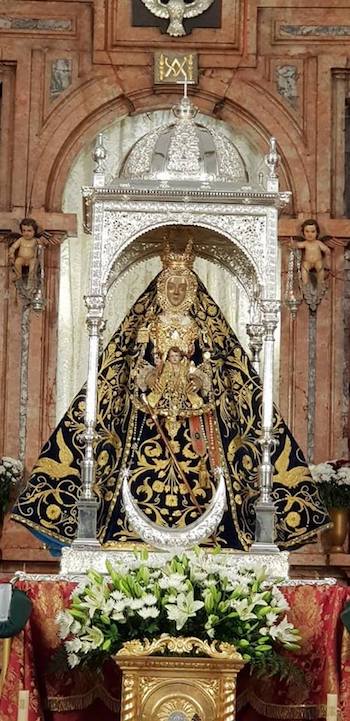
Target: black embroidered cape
<point x="129" y="438"/>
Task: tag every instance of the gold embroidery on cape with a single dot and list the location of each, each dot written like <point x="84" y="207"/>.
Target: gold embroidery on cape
<point x="227" y="387"/>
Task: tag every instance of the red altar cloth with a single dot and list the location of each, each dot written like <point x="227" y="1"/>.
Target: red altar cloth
<point x="324" y="659"/>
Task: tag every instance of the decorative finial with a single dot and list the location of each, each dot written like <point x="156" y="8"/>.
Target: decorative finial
<point x="99" y="156"/>
<point x="185" y="110"/>
<point x="272" y="159"/>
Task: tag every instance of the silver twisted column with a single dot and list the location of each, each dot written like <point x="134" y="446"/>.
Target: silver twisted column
<point x="87" y="503"/>
<point x="255" y="333"/>
<point x="255" y="329"/>
<point x="265" y="507"/>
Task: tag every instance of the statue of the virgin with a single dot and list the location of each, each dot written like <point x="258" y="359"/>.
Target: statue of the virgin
<point x="179" y="418"/>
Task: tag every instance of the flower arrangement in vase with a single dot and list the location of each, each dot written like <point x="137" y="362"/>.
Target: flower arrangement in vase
<point x="193" y="594"/>
<point x="333" y="481"/>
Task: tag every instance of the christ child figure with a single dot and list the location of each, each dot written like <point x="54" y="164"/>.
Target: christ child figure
<point x="315" y="253"/>
<point x="24" y="251"/>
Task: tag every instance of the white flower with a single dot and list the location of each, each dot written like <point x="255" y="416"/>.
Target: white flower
<point x="136" y="603"/>
<point x="148" y="612"/>
<point x="149" y="599"/>
<point x="118" y="595"/>
<point x="244" y="609"/>
<point x="65" y="622"/>
<point x="257" y="600"/>
<point x="322" y="472"/>
<point x="198" y="575"/>
<point x="9" y="462"/>
<point x="155" y="573"/>
<point x="85" y="647"/>
<point x="174" y="580"/>
<point x="73" y="660"/>
<point x="74" y="645"/>
<point x="271" y="618"/>
<point x="343" y="476"/>
<point x="185" y="608"/>
<point x="278" y="600"/>
<point x="284" y="632"/>
<point x="94" y="636"/>
<point x="94" y="600"/>
<point x="76" y="627"/>
<point x="79" y="588"/>
<point x="107" y="606"/>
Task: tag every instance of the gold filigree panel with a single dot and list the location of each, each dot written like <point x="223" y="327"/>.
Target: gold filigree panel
<point x="179" y="688"/>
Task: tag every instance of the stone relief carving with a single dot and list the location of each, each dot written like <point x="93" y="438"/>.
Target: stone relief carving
<point x="61" y="76"/>
<point x="8" y="22"/>
<point x="315" y="30"/>
<point x="287" y="83"/>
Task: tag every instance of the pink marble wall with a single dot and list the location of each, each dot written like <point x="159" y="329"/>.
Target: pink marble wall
<point x="111" y="74"/>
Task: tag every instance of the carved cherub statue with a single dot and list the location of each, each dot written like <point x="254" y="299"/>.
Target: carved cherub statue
<point x="23" y="252"/>
<point x="315" y="253"/>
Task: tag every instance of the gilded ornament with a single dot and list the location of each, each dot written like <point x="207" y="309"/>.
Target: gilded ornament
<point x="53" y="512"/>
<point x="196" y="681"/>
<point x="177" y="710"/>
<point x="293" y="519"/>
<point x="180" y="645"/>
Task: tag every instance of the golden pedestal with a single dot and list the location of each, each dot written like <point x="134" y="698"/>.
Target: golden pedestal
<point x="178" y="687"/>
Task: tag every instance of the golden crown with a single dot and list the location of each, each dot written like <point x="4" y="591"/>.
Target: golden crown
<point x="178" y="261"/>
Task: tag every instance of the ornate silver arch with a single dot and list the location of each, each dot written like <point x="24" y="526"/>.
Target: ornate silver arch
<point x="251" y="230"/>
<point x="216" y="248"/>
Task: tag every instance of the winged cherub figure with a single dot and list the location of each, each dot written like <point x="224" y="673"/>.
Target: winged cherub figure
<point x="176" y="11"/>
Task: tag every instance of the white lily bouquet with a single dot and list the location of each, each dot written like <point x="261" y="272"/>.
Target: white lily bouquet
<point x="196" y="593"/>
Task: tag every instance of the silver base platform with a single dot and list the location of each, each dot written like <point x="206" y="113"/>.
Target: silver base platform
<point x="77" y="560"/>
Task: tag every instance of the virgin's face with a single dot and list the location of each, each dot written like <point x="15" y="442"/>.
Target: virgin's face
<point x="176" y="289"/>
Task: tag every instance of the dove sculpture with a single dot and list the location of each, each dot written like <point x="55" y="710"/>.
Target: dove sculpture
<point x="175" y="11"/>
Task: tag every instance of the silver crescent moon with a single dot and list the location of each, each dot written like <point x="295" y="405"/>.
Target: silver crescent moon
<point x="168" y="538"/>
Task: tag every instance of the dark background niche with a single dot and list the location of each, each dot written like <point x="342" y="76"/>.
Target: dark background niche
<point x="141" y="17"/>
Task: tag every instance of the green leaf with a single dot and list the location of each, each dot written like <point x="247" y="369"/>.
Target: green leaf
<point x="263" y="611"/>
<point x="76" y="613"/>
<point x="95" y="576"/>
